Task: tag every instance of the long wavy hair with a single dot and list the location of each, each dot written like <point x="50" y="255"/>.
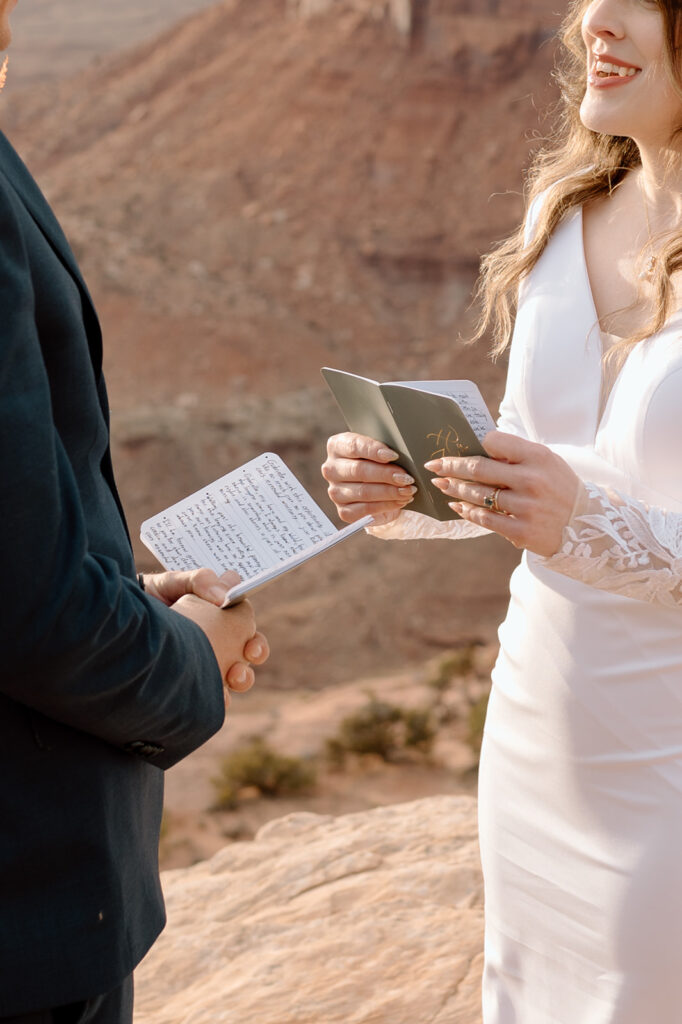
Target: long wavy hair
<point x="581" y="165"/>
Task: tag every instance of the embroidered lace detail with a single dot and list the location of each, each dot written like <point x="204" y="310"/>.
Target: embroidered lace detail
<point x="619" y="544"/>
<point x="414" y="526"/>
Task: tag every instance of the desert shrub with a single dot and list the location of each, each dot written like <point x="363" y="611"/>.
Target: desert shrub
<point x="477" y="714"/>
<point x="454" y="665"/>
<point x="335" y="753"/>
<point x="383" y="729"/>
<point x="259" y="766"/>
<point x="371" y="730"/>
<point x="419" y="729"/>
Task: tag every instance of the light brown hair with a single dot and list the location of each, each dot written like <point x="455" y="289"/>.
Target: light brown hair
<point x="576" y="166"/>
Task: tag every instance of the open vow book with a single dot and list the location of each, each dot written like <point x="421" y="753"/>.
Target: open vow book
<point x="420" y="420"/>
<point x="258" y="520"/>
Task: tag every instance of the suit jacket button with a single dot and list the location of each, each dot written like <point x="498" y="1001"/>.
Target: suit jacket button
<point x="143" y="748"/>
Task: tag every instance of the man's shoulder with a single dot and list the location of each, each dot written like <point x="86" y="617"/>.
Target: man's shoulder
<point x="10" y="161"/>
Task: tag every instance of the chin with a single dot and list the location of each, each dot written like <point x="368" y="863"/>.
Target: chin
<point x="603" y="122"/>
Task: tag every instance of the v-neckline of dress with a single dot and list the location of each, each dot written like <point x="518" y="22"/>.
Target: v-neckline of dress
<point x="603" y="401"/>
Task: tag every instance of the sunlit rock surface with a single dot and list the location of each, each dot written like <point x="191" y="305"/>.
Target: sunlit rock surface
<point x="374" y="917"/>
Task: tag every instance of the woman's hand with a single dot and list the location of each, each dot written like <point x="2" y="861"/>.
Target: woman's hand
<point x="530" y="492"/>
<point x="170" y="587"/>
<point x="364" y="479"/>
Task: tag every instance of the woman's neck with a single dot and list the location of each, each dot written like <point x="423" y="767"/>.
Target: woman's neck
<point x="660" y="180"/>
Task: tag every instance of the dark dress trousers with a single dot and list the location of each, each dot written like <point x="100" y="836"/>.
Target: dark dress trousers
<point x="101" y="686"/>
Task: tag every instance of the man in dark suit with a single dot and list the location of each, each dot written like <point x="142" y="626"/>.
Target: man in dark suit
<point x="104" y="682"/>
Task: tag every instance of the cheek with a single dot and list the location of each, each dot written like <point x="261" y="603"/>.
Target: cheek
<point x="664" y="100"/>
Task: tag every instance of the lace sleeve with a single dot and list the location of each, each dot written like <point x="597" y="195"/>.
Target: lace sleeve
<point x="414" y="526"/>
<point x="616" y="543"/>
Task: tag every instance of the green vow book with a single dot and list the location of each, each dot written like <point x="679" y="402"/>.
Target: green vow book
<point x="421" y="420"/>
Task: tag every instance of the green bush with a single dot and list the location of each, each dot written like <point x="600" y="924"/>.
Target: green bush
<point x="456" y="664"/>
<point x="258" y="766"/>
<point x="335" y="753"/>
<point x="371" y="730"/>
<point x="420" y="729"/>
<point x="383" y="729"/>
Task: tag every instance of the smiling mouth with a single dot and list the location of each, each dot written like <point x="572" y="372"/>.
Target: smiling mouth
<point x="605" y="69"/>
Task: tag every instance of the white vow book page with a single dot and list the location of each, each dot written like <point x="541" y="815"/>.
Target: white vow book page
<point x="258" y="520"/>
<point x="467" y="396"/>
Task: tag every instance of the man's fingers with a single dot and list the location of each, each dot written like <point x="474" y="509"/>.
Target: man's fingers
<point x="207" y="585"/>
<point x="230" y="578"/>
<point x="257" y="650"/>
<point x="169" y="587"/>
<point x="240" y="677"/>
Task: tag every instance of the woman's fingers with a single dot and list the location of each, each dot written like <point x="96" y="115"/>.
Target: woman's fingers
<point x="383" y="512"/>
<point x="364" y="479"/>
<point x="477" y="469"/>
<point x="534" y="487"/>
<point x="509" y="527"/>
<point x="339" y="470"/>
<point x="357" y="446"/>
<point x="343" y="494"/>
<point x="498" y="499"/>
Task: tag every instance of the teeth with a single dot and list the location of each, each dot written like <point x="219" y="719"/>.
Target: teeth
<point x="604" y="68"/>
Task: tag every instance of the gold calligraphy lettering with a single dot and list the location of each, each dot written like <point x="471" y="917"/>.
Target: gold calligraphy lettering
<point x="446" y="442"/>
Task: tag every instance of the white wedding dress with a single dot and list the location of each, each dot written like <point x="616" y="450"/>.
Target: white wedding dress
<point x="580" y="800"/>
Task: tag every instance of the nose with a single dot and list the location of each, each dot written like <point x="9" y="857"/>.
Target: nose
<point x="602" y="20"/>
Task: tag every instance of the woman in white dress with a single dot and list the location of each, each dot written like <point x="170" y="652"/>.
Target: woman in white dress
<point x="581" y="770"/>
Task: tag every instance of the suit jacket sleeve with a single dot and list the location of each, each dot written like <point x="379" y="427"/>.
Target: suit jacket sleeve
<point x="81" y="642"/>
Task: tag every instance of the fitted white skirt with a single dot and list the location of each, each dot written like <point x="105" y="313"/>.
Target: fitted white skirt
<point x="580" y="807"/>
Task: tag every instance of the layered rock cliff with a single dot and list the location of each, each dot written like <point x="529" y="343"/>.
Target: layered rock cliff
<point x="255" y="194"/>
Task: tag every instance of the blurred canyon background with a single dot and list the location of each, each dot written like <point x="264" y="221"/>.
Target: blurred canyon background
<point x="254" y="189"/>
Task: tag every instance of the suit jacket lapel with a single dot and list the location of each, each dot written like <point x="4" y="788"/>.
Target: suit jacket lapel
<point x="19" y="178"/>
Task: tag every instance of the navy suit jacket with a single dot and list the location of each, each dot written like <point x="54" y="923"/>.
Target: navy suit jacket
<point x="101" y="686"/>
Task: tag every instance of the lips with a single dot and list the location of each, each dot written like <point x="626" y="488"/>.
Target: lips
<point x="607" y="70"/>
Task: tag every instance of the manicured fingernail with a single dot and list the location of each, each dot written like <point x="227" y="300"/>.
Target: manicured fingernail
<point x="218" y="593"/>
<point x="434" y="466"/>
<point x="440" y="483"/>
<point x="403" y="478"/>
<point x="405" y="492"/>
<point x="457" y="506"/>
<point x="386" y="453"/>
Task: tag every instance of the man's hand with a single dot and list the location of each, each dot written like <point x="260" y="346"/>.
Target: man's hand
<point x="169" y="587"/>
<point x="222" y="627"/>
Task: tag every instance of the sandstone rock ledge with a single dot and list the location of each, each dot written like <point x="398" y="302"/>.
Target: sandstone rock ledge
<point x="370" y="918"/>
